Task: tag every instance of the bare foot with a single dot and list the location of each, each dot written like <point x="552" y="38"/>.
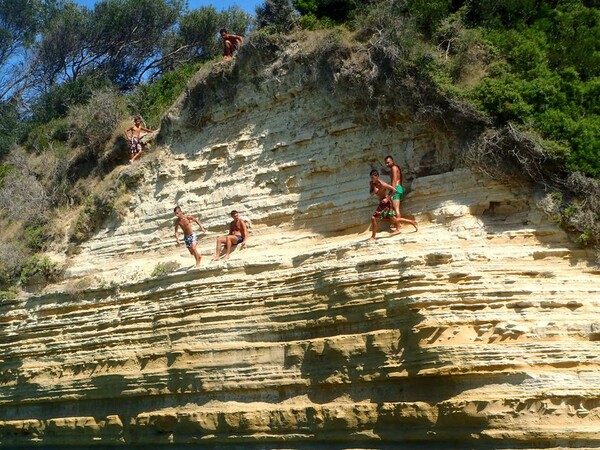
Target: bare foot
<point x="371" y="239"/>
<point x="395" y="232"/>
<point x="216" y="258"/>
<point x="225" y="258"/>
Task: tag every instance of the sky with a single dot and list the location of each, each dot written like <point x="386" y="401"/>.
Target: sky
<point x="247" y="5"/>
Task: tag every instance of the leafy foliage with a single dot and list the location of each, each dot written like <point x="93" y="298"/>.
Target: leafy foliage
<point x="336" y="10"/>
<point x="41" y="266"/>
<point x="163" y="268"/>
<point x="151" y="100"/>
<point x="277" y="14"/>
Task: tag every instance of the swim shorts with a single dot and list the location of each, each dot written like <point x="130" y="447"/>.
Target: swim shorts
<point x="135" y="145"/>
<point x="239" y="239"/>
<point x="189" y="240"/>
<point x="384" y="210"/>
<point x="399" y="193"/>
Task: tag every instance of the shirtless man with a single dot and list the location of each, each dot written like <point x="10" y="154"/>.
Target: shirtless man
<point x="185" y="222"/>
<point x="238" y="234"/>
<point x="384" y="210"/>
<point x="398" y="191"/>
<point x="132" y="134"/>
<point x="231" y="42"/>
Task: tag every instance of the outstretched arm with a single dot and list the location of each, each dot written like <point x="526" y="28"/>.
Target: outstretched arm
<point x="198" y="222"/>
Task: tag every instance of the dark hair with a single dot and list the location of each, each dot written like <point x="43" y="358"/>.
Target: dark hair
<point x="233" y="212"/>
<point x="222" y="30"/>
<point x="176" y="208"/>
<point x="388" y="157"/>
<point x="374" y="172"/>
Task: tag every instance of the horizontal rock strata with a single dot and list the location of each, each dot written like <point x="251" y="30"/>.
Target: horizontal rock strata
<point x="480" y="329"/>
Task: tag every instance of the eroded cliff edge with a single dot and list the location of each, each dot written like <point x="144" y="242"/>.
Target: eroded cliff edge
<point x="481" y="329"/>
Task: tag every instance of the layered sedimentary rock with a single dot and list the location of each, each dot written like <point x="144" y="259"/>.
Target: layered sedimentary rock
<point x="480" y="329"/>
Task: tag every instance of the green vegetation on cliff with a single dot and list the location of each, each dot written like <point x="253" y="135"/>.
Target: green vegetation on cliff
<point x="527" y="73"/>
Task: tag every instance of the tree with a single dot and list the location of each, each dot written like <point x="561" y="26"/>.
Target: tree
<point x="337" y="10"/>
<point x="19" y="24"/>
<point x="278" y="14"/>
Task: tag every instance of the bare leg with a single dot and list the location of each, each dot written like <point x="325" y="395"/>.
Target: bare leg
<point x="396" y="206"/>
<point x="399" y="218"/>
<point x="395" y="225"/>
<point x="231" y="241"/>
<point x="411" y="222"/>
<point x="194" y="252"/>
<point x="220" y="243"/>
<point x="135" y="155"/>
<point x="228" y="50"/>
<point x="374" y="228"/>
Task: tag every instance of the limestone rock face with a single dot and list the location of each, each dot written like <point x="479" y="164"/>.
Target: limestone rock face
<point x="481" y="329"/>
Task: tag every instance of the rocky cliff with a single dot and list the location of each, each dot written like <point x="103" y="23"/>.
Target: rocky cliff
<point x="481" y="329"/>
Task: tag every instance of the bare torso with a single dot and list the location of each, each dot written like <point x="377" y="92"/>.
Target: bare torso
<point x="185" y="224"/>
<point x="136" y="131"/>
<point x="235" y="227"/>
<point x="395" y="176"/>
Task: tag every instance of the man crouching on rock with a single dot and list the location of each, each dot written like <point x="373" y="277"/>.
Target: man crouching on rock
<point x="185" y="222"/>
<point x="238" y="234"/>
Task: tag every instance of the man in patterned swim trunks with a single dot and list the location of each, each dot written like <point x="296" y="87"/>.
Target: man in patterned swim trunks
<point x="398" y="192"/>
<point x="185" y="222"/>
<point x="384" y="210"/>
<point x="133" y="135"/>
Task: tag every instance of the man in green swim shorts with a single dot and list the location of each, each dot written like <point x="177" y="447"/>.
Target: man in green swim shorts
<point x="398" y="194"/>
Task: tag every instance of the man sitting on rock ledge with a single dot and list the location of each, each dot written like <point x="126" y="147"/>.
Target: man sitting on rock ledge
<point x="185" y="222"/>
<point x="238" y="234"/>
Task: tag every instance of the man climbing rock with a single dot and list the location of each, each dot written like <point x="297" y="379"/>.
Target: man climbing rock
<point x="133" y="135"/>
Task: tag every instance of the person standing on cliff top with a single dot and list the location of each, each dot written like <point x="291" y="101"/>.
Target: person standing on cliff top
<point x="185" y="222"/>
<point x="231" y="43"/>
<point x="132" y="134"/>
<point x="397" y="191"/>
<point x="384" y="210"/>
<point x="238" y="234"/>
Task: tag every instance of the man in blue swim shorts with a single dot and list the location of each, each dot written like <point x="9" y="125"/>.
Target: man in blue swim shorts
<point x="185" y="222"/>
<point x="238" y="234"/>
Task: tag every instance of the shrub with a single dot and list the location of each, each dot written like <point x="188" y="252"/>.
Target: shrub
<point x="96" y="120"/>
<point x="163" y="268"/>
<point x="43" y="267"/>
<point x="95" y="211"/>
<point x="48" y="135"/>
<point x="275" y="14"/>
<point x="152" y="100"/>
<point x="36" y="236"/>
<point x="12" y="258"/>
<point x="62" y="97"/>
<point x="22" y="196"/>
<point x="9" y="294"/>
